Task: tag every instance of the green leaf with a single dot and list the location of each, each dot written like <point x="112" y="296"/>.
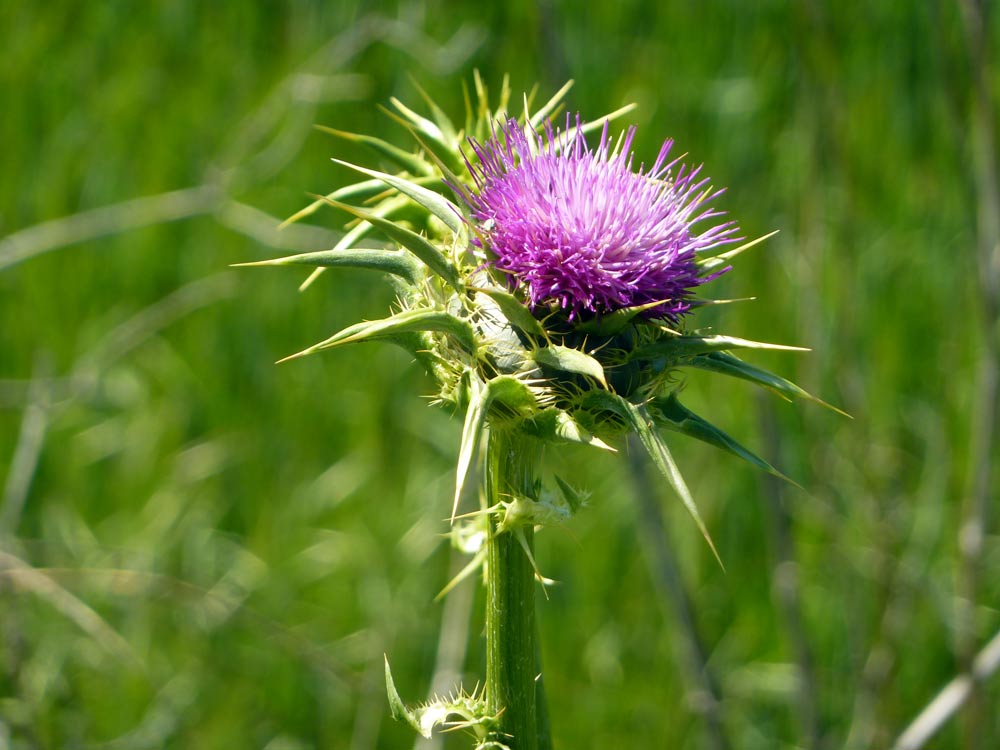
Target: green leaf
<point x="670" y="413"/>
<point x="359" y="191"/>
<point x="431" y="134"/>
<point x="591" y="126"/>
<point x="513" y="309"/>
<point x="722" y="259"/>
<point x="460" y="711"/>
<point x="450" y="178"/>
<point x="361" y="230"/>
<point x="442" y="120"/>
<point x="557" y="425"/>
<point x="598" y="122"/>
<point x="573" y="497"/>
<point x="676" y="347"/>
<point x="472" y="432"/>
<point x="397" y="708"/>
<point x="569" y="360"/>
<point x="728" y="364"/>
<point x="703" y="302"/>
<point x="639" y="420"/>
<point x="471" y="567"/>
<point x="436" y="203"/>
<point x="513" y="394"/>
<point x="569" y="429"/>
<point x="395" y="262"/>
<point x="421" y="123"/>
<point x="408" y="321"/>
<point x="433" y="258"/>
<point x="547" y="109"/>
<point x="412" y="163"/>
<point x="615" y="322"/>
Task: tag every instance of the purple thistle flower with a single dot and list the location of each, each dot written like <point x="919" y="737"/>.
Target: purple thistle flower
<point x="579" y="228"/>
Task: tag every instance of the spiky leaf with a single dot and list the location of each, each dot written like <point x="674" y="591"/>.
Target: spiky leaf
<point x="670" y="413"/>
<point x="709" y="264"/>
<point x="384" y="209"/>
<point x="548" y="109"/>
<point x="406" y="322"/>
<point x="728" y="364"/>
<point x="432" y="257"/>
<point x="555" y="424"/>
<point x="505" y="391"/>
<point x="444" y="123"/>
<point x="430" y="133"/>
<point x="574" y="498"/>
<point x="567" y="359"/>
<point x="394" y="262"/>
<point x="403" y="159"/>
<point x="673" y="348"/>
<point x="359" y="191"/>
<point x="397" y="708"/>
<point x="472" y="431"/>
<point x="436" y="203"/>
<point x="615" y="322"/>
<point x="517" y="314"/>
<point x="640" y="422"/>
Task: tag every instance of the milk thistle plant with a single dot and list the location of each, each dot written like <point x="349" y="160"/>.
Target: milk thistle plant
<point x="546" y="286"/>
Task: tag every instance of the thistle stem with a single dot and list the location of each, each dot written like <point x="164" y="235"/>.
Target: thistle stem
<point x="511" y="656"/>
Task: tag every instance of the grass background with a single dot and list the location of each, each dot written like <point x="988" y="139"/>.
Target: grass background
<point x="201" y="550"/>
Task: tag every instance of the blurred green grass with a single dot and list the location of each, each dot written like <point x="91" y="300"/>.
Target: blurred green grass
<point x="215" y="552"/>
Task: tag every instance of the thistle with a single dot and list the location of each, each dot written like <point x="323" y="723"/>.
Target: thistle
<point x="546" y="286"/>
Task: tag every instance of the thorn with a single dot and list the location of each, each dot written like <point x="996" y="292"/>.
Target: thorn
<point x="297" y="355"/>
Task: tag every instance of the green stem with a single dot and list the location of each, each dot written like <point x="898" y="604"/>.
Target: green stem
<point x="511" y="654"/>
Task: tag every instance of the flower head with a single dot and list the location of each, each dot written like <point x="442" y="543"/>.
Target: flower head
<point x="580" y="228"/>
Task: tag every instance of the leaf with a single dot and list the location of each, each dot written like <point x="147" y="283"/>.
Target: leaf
<point x="388" y="261"/>
<point x="433" y="258"/>
<point x="728" y="364"/>
<point x="360" y="231"/>
<point x="556" y="424"/>
<point x="471" y="711"/>
<point x="434" y="139"/>
<point x="640" y="421"/>
<point x="471" y="567"/>
<point x="723" y="258"/>
<point x="671" y="414"/>
<point x="419" y="122"/>
<point x="676" y="347"/>
<point x="504" y="389"/>
<point x="598" y="122"/>
<point x="703" y="302"/>
<point x="436" y="203"/>
<point x="404" y="159"/>
<point x="409" y="321"/>
<point x="513" y="309"/>
<point x="397" y="708"/>
<point x="472" y="432"/>
<point x="450" y="178"/>
<point x="359" y="191"/>
<point x="591" y="125"/>
<point x="569" y="360"/>
<point x="512" y="393"/>
<point x="550" y="106"/>
<point x="573" y="497"/>
<point x="442" y="120"/>
<point x="615" y="322"/>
